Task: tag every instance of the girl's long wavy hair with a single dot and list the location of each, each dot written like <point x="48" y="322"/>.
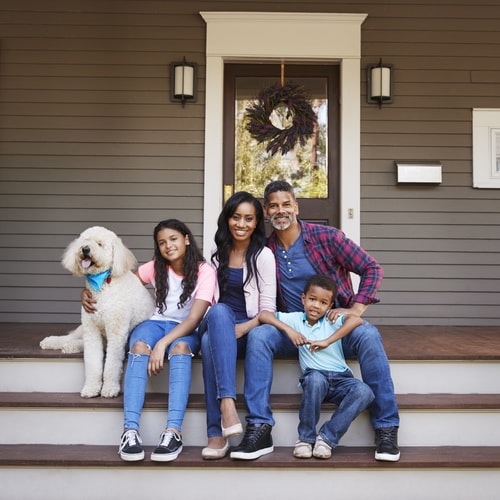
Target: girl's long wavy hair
<point x="192" y="259"/>
<point x="224" y="240"/>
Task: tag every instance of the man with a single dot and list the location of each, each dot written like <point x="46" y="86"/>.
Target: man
<point x="302" y="250"/>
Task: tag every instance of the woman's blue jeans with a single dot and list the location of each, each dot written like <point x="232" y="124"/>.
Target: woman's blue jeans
<point x="136" y="375"/>
<point x="349" y="394"/>
<point x="219" y="351"/>
<point x="265" y="343"/>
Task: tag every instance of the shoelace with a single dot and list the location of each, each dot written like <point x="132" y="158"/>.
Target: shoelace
<point x="130" y="438"/>
<point x="167" y="436"/>
<point x="385" y="435"/>
<point x="252" y="435"/>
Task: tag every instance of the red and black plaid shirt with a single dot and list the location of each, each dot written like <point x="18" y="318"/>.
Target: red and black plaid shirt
<point x="331" y="253"/>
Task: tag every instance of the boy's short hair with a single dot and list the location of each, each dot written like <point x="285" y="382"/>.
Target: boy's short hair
<point x="275" y="186"/>
<point x="323" y="282"/>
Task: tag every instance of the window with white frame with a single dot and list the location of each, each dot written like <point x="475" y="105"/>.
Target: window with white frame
<point x="486" y="148"/>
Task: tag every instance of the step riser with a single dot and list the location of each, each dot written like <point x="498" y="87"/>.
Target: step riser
<point x="445" y="377"/>
<point x="257" y="483"/>
<point x="74" y="426"/>
<point x="67" y="375"/>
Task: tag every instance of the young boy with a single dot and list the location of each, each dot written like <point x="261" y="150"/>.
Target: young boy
<point x="325" y="374"/>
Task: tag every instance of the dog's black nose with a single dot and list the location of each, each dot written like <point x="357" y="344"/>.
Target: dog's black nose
<point x="85" y="250"/>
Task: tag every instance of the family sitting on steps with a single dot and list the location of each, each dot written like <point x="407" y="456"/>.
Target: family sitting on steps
<point x="303" y="271"/>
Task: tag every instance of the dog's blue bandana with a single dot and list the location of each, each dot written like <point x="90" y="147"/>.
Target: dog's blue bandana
<point x="97" y="280"/>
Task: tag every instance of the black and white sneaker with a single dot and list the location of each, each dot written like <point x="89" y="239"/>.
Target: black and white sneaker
<point x="256" y="442"/>
<point x="169" y="448"/>
<point x="130" y="448"/>
<point x="386" y="441"/>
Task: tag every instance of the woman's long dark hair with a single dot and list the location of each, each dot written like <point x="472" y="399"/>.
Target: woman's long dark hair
<point x="192" y="260"/>
<point x="224" y="240"/>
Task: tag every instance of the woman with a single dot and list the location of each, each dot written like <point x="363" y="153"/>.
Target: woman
<point x="184" y="287"/>
<point x="246" y="279"/>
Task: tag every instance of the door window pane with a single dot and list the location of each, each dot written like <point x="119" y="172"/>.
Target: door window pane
<point x="306" y="167"/>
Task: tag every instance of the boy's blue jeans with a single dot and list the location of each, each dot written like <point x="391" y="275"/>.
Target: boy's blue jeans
<point x="265" y="343"/>
<point x="219" y="351"/>
<point x="136" y="375"/>
<point x="349" y="394"/>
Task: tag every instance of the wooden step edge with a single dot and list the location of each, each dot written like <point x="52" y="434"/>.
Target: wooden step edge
<point x="402" y="343"/>
<point x="40" y="455"/>
<point x="284" y="402"/>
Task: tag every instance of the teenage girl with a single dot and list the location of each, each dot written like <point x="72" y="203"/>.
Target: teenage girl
<point x="184" y="287"/>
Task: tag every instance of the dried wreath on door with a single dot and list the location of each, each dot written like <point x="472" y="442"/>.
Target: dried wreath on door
<point x="281" y="116"/>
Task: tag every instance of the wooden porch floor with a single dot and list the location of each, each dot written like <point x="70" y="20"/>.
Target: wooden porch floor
<point x="19" y="340"/>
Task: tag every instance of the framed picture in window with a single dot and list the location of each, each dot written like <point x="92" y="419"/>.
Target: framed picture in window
<point x="486" y="148"/>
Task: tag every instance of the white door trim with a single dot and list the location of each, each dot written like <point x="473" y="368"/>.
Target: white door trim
<point x="279" y="36"/>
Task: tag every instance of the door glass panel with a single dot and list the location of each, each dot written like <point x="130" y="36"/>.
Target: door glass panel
<point x="305" y="167"/>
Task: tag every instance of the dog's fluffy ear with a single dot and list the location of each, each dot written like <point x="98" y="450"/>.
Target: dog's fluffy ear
<point x="71" y="260"/>
<point x="123" y="259"/>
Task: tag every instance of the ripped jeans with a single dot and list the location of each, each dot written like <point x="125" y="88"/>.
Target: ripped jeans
<point x="136" y="375"/>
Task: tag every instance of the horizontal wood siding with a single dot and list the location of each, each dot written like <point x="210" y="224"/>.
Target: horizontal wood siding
<point x="88" y="136"/>
<point x="439" y="245"/>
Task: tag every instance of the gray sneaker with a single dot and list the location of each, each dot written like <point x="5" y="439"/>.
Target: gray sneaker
<point x="303" y="450"/>
<point x="322" y="449"/>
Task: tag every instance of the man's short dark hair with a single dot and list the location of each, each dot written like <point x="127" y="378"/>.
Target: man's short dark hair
<point x="274" y="186"/>
<point x="323" y="282"/>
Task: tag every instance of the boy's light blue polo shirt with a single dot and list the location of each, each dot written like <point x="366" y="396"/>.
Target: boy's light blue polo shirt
<point x="329" y="359"/>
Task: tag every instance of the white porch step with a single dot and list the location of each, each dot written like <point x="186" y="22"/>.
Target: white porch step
<point x="446" y="381"/>
<point x="66" y="374"/>
<point x="65" y="418"/>
<point x="80" y="473"/>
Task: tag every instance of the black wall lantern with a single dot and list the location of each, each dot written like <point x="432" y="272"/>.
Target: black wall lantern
<point x="183" y="81"/>
<point x="379" y="83"/>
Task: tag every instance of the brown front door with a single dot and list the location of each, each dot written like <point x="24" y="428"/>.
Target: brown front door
<point x="312" y="169"/>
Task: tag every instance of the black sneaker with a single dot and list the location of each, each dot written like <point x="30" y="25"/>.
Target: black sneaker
<point x="256" y="442"/>
<point x="169" y="448"/>
<point x="386" y="440"/>
<point x="130" y="448"/>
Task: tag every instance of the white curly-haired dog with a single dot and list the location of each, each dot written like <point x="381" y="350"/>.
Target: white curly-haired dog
<point x="122" y="303"/>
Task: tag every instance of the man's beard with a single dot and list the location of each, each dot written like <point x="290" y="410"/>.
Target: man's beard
<point x="284" y="224"/>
